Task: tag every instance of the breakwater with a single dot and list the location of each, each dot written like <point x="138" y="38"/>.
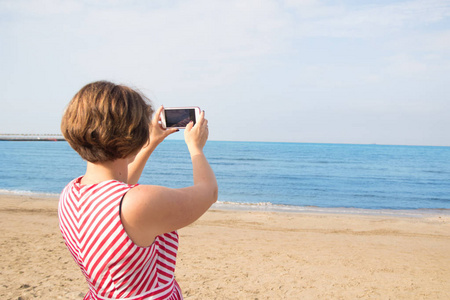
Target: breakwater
<point x="31" y="137"/>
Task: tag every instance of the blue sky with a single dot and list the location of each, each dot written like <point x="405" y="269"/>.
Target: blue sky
<point x="286" y="70"/>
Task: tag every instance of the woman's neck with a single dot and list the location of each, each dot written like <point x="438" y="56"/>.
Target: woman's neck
<point x="110" y="170"/>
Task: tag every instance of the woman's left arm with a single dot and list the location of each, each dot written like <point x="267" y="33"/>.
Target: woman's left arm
<point x="157" y="135"/>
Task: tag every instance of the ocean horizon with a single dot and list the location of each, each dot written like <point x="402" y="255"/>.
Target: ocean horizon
<point x="263" y="175"/>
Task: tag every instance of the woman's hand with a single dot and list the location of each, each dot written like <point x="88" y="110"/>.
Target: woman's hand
<point x="157" y="132"/>
<point x="196" y="135"/>
<point x="157" y="135"/>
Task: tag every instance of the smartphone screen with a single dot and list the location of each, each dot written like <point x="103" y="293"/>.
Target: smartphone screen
<point x="179" y="117"/>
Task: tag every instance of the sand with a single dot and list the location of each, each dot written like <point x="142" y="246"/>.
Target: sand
<point x="248" y="255"/>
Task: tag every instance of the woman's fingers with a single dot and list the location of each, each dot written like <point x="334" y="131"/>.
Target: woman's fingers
<point x="157" y="116"/>
<point x="196" y="135"/>
<point x="189" y="126"/>
<point x="158" y="133"/>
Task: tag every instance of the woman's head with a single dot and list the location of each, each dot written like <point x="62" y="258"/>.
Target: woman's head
<point x="105" y="121"/>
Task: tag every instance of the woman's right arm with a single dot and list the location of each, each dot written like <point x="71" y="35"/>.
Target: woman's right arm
<point x="148" y="211"/>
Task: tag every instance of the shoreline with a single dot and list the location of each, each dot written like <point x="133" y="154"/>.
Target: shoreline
<point x="247" y="254"/>
<point x="269" y="207"/>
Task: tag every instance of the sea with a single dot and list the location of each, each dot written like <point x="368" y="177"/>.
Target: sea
<point x="263" y="175"/>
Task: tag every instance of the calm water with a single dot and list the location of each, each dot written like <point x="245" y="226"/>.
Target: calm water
<point x="322" y="175"/>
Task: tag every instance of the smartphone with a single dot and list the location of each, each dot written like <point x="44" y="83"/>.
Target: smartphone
<point x="179" y="117"/>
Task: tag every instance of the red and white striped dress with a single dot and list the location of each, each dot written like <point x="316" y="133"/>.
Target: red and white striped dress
<point x="114" y="267"/>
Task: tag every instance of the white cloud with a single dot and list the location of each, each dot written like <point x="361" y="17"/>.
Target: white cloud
<point x="40" y="7"/>
<point x="191" y="43"/>
<point x="406" y="66"/>
<point x="363" y="20"/>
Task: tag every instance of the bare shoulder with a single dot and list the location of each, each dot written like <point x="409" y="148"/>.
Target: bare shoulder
<point x="139" y="213"/>
<point x="148" y="210"/>
<point x="142" y="201"/>
<point x="141" y="194"/>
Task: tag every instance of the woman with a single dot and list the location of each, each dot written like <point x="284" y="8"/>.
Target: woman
<point x="122" y="234"/>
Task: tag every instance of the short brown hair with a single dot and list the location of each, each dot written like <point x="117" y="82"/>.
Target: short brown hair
<point x="105" y="121"/>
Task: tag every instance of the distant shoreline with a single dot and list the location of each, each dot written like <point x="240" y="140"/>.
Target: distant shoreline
<point x="32" y="137"/>
<point x="60" y="138"/>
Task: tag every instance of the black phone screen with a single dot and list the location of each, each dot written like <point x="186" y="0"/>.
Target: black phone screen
<point x="179" y="117"/>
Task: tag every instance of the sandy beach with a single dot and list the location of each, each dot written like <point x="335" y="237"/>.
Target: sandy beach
<point x="248" y="255"/>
